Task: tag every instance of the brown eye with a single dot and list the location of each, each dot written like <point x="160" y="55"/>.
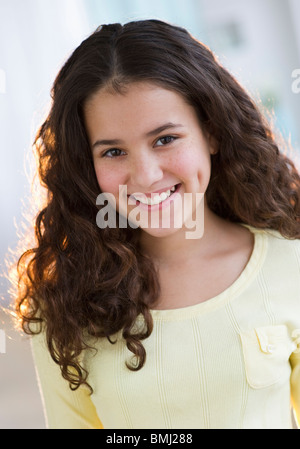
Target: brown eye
<point x="165" y="140"/>
<point x="111" y="151"/>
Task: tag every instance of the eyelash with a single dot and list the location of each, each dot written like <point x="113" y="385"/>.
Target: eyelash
<point x="161" y="138"/>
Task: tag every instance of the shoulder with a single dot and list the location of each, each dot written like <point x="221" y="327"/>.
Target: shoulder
<point x="274" y="237"/>
<point x="276" y="240"/>
<point x="279" y="250"/>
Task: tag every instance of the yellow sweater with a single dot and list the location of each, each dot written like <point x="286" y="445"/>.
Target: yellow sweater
<point x="231" y="362"/>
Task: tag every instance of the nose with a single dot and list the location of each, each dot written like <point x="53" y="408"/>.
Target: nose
<point x="145" y="171"/>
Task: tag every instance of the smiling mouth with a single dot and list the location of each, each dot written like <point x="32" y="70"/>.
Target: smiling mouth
<point x="155" y="198"/>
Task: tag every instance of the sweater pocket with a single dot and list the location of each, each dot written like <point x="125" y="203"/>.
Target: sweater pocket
<point x="266" y="354"/>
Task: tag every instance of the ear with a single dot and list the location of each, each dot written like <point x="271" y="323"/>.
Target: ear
<point x="213" y="145"/>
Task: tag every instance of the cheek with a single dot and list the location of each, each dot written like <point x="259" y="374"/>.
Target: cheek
<point x="192" y="164"/>
<point x="108" y="180"/>
<point x="182" y="164"/>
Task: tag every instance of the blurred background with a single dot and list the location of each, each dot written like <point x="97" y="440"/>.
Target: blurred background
<point x="257" y="40"/>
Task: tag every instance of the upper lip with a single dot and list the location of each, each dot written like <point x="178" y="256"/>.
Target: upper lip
<point x="148" y="195"/>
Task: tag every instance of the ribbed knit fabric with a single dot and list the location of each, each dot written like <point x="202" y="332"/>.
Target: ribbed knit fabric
<point x="230" y="362"/>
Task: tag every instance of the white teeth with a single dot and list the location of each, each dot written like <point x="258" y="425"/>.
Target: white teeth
<point x="158" y="198"/>
<point x="164" y="195"/>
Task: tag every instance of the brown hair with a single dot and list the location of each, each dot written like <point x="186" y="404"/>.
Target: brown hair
<point x="80" y="280"/>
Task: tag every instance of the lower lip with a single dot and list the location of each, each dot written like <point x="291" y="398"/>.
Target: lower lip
<point x="161" y="205"/>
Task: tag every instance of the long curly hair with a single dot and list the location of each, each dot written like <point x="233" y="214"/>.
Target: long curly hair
<point x="80" y="281"/>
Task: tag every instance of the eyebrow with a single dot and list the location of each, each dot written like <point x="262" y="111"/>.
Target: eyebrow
<point x="154" y="132"/>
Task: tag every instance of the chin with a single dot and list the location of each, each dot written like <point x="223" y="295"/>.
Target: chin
<point x="160" y="232"/>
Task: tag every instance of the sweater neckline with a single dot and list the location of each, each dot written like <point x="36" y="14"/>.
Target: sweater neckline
<point x="253" y="265"/>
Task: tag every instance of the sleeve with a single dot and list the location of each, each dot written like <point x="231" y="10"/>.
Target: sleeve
<point x="295" y="384"/>
<point x="63" y="408"/>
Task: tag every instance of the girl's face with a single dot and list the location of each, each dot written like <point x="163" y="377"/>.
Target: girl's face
<point x="147" y="139"/>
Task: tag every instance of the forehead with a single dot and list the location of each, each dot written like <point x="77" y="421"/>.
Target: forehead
<point x="140" y="105"/>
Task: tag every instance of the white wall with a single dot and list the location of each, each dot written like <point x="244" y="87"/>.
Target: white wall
<point x="295" y="16"/>
<point x="266" y="54"/>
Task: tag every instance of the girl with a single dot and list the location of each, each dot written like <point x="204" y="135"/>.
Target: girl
<point x="141" y="326"/>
